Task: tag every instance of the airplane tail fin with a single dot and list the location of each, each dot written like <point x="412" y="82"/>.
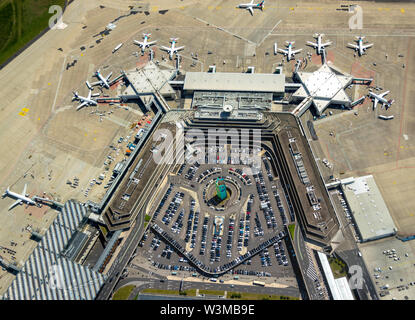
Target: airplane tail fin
<point x="261" y="5"/>
<point x="390" y="102"/>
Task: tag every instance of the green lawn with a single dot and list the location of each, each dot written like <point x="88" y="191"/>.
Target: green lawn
<point x="212" y="292"/>
<point x="338" y="267"/>
<point x="189" y="293"/>
<point x="21" y="21"/>
<point x="123" y="293"/>
<point x="147" y="218"/>
<point x="257" y="296"/>
<point x="291" y="228"/>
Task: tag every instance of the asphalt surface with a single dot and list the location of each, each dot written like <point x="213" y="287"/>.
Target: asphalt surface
<point x="122" y="259"/>
<point x="304" y="263"/>
<point x="368" y="289"/>
<point x="175" y="285"/>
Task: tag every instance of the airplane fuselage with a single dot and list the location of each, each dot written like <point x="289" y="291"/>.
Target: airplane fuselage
<point x="85" y="99"/>
<point x="172" y="49"/>
<point x="101" y="78"/>
<point x="20" y="197"/>
<point x="379" y="98"/>
<point x="290" y="53"/>
<point x="361" y="49"/>
<point x="319" y="47"/>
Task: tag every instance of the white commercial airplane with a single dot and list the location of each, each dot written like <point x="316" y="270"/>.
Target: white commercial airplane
<point x="251" y="6"/>
<point x="290" y="53"/>
<point x="318" y="44"/>
<point x="145" y="44"/>
<point x="85" y="100"/>
<point x="360" y="47"/>
<point x="172" y="50"/>
<point x="21" y="198"/>
<point x="102" y="81"/>
<point x="380" y="98"/>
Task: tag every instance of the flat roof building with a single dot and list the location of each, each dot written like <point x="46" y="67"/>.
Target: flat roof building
<point x="339" y="288"/>
<point x="323" y="87"/>
<point x="241" y="82"/>
<point x="368" y="208"/>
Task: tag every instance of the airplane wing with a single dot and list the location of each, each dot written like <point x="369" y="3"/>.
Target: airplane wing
<point x="89" y="94"/>
<point x="296" y="51"/>
<point x="351" y="45"/>
<point x="282" y="51"/>
<point x="165" y="48"/>
<point x="17" y="202"/>
<point x="151" y="43"/>
<point x="95" y="83"/>
<point x="180" y="48"/>
<point x="251" y="11"/>
<point x="139" y="43"/>
<point x="375" y="103"/>
<point x="108" y="76"/>
<point x="312" y="44"/>
<point x="384" y="94"/>
<point x="83" y="104"/>
<point x="326" y="44"/>
<point x="24" y="189"/>
<point x="367" y="46"/>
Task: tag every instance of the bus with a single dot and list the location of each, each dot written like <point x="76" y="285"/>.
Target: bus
<point x="259" y="283"/>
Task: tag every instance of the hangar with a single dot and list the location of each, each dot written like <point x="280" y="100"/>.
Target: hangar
<point x="368" y="208"/>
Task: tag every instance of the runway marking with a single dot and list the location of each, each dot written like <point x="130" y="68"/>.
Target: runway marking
<point x="269" y="33"/>
<point x="405" y="80"/>
<point x="222" y="29"/>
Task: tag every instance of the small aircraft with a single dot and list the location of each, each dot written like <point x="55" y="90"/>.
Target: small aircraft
<point x="251" y="6"/>
<point x="380" y="98"/>
<point x="318" y="45"/>
<point x="102" y="81"/>
<point x="21" y="198"/>
<point x="360" y="47"/>
<point x="85" y="100"/>
<point x="290" y="53"/>
<point x="145" y="44"/>
<point x="172" y="50"/>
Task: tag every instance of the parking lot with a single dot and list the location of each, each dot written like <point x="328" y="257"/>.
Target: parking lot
<point x="391" y="264"/>
<point x="219" y="236"/>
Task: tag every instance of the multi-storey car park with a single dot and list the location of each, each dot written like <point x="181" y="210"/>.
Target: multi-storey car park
<point x="218" y="238"/>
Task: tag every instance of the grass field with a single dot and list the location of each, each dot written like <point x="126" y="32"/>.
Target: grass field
<point x="21" y="21"/>
<point x="189" y="293"/>
<point x="212" y="292"/>
<point x="257" y="296"/>
<point x="291" y="228"/>
<point x="338" y="267"/>
<point x="123" y="293"/>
